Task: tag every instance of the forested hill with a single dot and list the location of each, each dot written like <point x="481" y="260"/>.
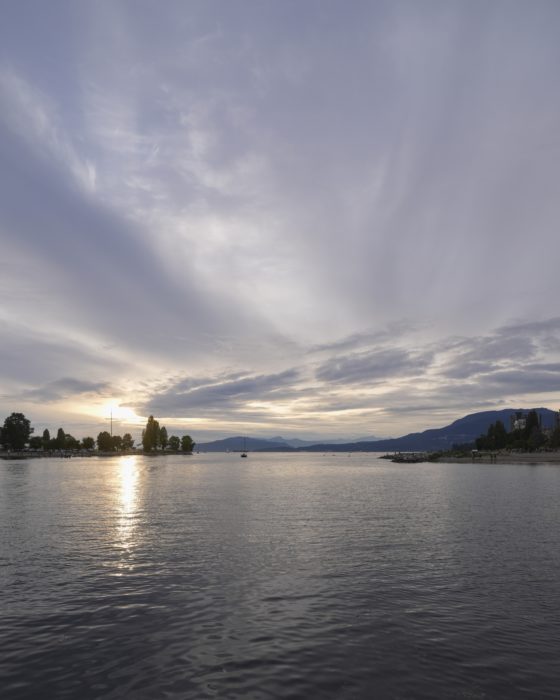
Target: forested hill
<point x="464" y="430"/>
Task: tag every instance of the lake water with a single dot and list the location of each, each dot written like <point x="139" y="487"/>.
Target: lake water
<point x="279" y="576"/>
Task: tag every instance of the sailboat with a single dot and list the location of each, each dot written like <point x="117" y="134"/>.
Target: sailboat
<point x="244" y="453"/>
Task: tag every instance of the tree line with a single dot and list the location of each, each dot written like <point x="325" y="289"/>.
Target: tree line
<point x="17" y="433"/>
<point x="154" y="437"/>
<point x="527" y="439"/>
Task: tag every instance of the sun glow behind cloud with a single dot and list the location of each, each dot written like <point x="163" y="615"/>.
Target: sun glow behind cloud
<point x="120" y="414"/>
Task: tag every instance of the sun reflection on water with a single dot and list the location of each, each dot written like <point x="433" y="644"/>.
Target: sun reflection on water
<point x="127" y="505"/>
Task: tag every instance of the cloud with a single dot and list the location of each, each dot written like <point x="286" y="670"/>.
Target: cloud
<point x="526" y="381"/>
<point x="316" y="217"/>
<point x="64" y="388"/>
<point x="30" y="115"/>
<point x="30" y="356"/>
<point x="223" y="396"/>
<point x="102" y="275"/>
<point x="374" y="366"/>
<point x="392" y="333"/>
<point x="467" y="357"/>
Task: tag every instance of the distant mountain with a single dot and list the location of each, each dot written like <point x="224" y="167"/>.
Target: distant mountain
<point x="238" y="444"/>
<point x="296" y="442"/>
<point x="277" y="444"/>
<point x="292" y="442"/>
<point x="464" y="430"/>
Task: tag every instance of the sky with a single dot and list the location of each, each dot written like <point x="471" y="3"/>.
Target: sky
<point x="310" y="218"/>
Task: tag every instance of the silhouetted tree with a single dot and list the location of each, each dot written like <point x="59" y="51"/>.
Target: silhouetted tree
<point x="116" y="442"/>
<point x="127" y="442"/>
<point x="163" y="439"/>
<point x="532" y="423"/>
<point x="500" y="435"/>
<point x="555" y="439"/>
<point x="70" y="442"/>
<point x="60" y="439"/>
<point x="150" y="435"/>
<point x="174" y="443"/>
<point x="88" y="443"/>
<point x="105" y="442"/>
<point x="536" y="439"/>
<point x="187" y="444"/>
<point x="46" y="438"/>
<point x="16" y="431"/>
<point x="36" y="442"/>
<point x="496" y="437"/>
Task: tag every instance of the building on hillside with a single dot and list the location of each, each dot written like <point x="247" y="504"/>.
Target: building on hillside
<point x="517" y="421"/>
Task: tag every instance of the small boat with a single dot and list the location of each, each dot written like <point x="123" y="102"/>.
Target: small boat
<point x="244" y="453"/>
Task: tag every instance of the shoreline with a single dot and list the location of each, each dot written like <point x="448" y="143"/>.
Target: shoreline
<point x="74" y="455"/>
<point x="484" y="458"/>
<point x="506" y="458"/>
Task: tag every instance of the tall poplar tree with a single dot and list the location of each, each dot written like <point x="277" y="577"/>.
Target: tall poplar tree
<point x="163" y="439"/>
<point x="150" y="435"/>
<point x="60" y="439"/>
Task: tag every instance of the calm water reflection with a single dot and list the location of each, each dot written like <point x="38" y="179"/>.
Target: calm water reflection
<point x="127" y="474"/>
<point x="301" y="576"/>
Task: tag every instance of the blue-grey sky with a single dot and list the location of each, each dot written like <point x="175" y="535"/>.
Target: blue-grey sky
<point x="312" y="218"/>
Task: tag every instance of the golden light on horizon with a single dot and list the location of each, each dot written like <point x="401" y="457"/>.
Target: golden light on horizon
<point x="119" y="413"/>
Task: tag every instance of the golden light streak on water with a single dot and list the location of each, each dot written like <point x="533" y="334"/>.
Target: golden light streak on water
<point x="127" y="506"/>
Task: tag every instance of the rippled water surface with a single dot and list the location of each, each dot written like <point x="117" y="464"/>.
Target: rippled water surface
<point x="279" y="576"/>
